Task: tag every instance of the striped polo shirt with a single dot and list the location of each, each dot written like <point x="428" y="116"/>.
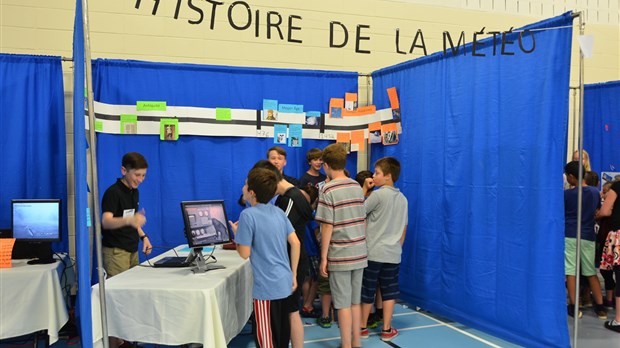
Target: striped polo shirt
<point x="341" y="204"/>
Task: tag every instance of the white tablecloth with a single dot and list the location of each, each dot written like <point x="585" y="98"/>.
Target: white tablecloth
<point x="173" y="306"/>
<point x="32" y="298"/>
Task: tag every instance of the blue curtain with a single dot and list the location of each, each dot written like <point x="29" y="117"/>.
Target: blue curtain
<point x="32" y="146"/>
<point x="601" y="125"/>
<point x="482" y="153"/>
<point x="201" y="167"/>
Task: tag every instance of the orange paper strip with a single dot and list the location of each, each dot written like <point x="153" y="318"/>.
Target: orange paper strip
<point x="343" y="137"/>
<point x="6" y="251"/>
<point x="394" y="104"/>
<point x="357" y="137"/>
<point x="374" y="126"/>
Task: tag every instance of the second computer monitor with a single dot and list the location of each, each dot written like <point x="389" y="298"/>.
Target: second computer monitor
<point x="205" y="222"/>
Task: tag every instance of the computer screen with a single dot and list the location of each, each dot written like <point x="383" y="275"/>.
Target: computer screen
<point x="36" y="223"/>
<point x="206" y="223"/>
<point x="36" y="220"/>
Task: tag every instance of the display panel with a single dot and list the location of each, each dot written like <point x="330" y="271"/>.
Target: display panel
<point x="205" y="223"/>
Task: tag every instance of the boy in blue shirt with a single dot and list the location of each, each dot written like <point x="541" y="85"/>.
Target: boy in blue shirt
<point x="386" y="225"/>
<point x="261" y="234"/>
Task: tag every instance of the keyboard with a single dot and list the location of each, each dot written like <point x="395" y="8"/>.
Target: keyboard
<point x="172" y="261"/>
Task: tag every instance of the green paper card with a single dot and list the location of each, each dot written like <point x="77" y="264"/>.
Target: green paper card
<point x="168" y="129"/>
<point x="129" y="124"/>
<point x="98" y="126"/>
<point x="151" y="106"/>
<point x="223" y="114"/>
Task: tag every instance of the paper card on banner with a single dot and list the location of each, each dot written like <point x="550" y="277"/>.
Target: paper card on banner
<point x="151" y="106"/>
<point x="350" y="101"/>
<point x="270" y="110"/>
<point x="223" y="114"/>
<point x="394" y="103"/>
<point x="279" y="134"/>
<point x="291" y="108"/>
<point x="586" y="43"/>
<point x="335" y="107"/>
<point x="374" y="133"/>
<point x="313" y="118"/>
<point x="98" y="126"/>
<point x="6" y="251"/>
<point x="389" y="133"/>
<point x="345" y="140"/>
<point x="169" y="129"/>
<point x="294" y="135"/>
<point x="357" y="138"/>
<point x="129" y="124"/>
<point x="366" y="110"/>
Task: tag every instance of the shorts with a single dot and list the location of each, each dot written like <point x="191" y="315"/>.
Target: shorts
<point x="313" y="267"/>
<point x="323" y="286"/>
<point x="383" y="274"/>
<point x="346" y="287"/>
<point x="117" y="260"/>
<point x="587" y="257"/>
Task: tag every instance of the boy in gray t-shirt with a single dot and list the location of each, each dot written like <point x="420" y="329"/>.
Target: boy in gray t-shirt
<point x="386" y="216"/>
<point x="343" y="243"/>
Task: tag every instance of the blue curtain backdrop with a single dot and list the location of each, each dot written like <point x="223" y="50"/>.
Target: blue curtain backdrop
<point x="482" y="156"/>
<point x="201" y="167"/>
<point x="32" y="146"/>
<point x="601" y="125"/>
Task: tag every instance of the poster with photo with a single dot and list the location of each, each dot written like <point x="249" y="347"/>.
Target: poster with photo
<point x="169" y="129"/>
<point x="389" y="133"/>
<point x="313" y="118"/>
<point x="270" y="110"/>
<point x="280" y="134"/>
<point x="294" y="135"/>
<point x="129" y="124"/>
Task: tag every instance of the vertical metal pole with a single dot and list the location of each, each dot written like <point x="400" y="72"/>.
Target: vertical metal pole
<point x="579" y="187"/>
<point x="95" y="184"/>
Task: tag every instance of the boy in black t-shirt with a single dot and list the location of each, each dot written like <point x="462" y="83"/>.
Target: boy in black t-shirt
<point x="121" y="221"/>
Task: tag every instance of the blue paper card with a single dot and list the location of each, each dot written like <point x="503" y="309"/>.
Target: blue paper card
<point x="294" y="135"/>
<point x="291" y="108"/>
<point x="279" y="134"/>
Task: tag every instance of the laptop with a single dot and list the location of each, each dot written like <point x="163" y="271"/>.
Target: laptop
<point x="173" y="261"/>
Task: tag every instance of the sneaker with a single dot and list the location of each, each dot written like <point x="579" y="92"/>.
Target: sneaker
<point x="325" y="323"/>
<point x="373" y="321"/>
<point x="364" y="333"/>
<point x="612" y="325"/>
<point x="600" y="311"/>
<point x="571" y="312"/>
<point x="388" y="335"/>
<point x="309" y="313"/>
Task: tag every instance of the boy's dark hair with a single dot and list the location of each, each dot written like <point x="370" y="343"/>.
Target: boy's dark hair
<point x="572" y="168"/>
<point x="313" y="154"/>
<point x="591" y="179"/>
<point x="335" y="156"/>
<point x="277" y="149"/>
<point x="389" y="165"/>
<point x="312" y="192"/>
<point x="362" y="176"/>
<point x="263" y="182"/>
<point x="268" y="165"/>
<point x="134" y="160"/>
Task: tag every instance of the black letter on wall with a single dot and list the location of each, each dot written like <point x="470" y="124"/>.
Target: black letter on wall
<point x="331" y="35"/>
<point x="230" y="18"/>
<point x="291" y="28"/>
<point x="359" y="38"/>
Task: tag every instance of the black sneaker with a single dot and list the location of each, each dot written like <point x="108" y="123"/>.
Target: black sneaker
<point x="571" y="311"/>
<point x="600" y="311"/>
<point x="613" y="325"/>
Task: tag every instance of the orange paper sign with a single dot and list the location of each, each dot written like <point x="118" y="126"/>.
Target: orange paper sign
<point x="394" y="104"/>
<point x="6" y="250"/>
<point x="357" y="137"/>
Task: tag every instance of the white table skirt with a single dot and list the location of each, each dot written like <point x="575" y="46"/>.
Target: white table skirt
<point x="173" y="306"/>
<point x="32" y="298"/>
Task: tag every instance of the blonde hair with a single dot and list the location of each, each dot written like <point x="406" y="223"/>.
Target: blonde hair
<point x="585" y="158"/>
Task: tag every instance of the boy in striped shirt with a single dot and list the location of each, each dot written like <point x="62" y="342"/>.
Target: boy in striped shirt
<point x="342" y="216"/>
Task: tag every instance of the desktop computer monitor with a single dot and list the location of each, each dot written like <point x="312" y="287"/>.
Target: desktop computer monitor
<point x="205" y="223"/>
<point x="36" y="224"/>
